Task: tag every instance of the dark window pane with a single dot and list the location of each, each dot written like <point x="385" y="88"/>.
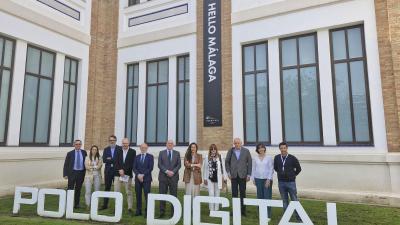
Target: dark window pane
<point x="8" y="52"/>
<point x="249" y="58"/>
<point x="343" y="103"/>
<point x="262" y="107"/>
<point x="67" y="68"/>
<point x="307" y="50"/>
<point x="134" y="115"/>
<point x="291" y="105"/>
<point x="47" y="64"/>
<point x="181" y="68"/>
<point x="130" y="76"/>
<point x="355" y="45"/>
<point x="4" y="92"/>
<point x="32" y="62"/>
<point x="339" y="45"/>
<point x="64" y="114"/>
<point x="360" y="106"/>
<point x="136" y="75"/>
<point x="151" y="114"/>
<point x="250" y="108"/>
<point x="43" y="111"/>
<point x="162" y="114"/>
<point x="152" y="73"/>
<point x="71" y="113"/>
<point x="74" y="65"/>
<point x="163" y="71"/>
<point x="29" y="109"/>
<point x="289" y="52"/>
<point x="261" y="57"/>
<point x="309" y="100"/>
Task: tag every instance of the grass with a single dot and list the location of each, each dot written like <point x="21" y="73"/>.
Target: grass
<point x="348" y="214"/>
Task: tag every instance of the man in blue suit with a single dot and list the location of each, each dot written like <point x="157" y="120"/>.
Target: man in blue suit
<point x="74" y="170"/>
<point x="110" y="154"/>
<point x="143" y="166"/>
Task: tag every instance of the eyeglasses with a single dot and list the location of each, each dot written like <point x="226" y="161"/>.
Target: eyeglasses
<point x="112" y="140"/>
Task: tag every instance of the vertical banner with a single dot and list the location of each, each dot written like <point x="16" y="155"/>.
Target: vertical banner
<point x="212" y="63"/>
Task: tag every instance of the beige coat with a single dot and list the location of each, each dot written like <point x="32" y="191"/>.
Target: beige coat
<point x="90" y="168"/>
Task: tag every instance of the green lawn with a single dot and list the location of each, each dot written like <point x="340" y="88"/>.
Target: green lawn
<point x="348" y="214"/>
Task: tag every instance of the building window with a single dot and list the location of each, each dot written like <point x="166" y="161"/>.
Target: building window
<point x="69" y="102"/>
<point x="300" y="90"/>
<point x="255" y="94"/>
<point x="37" y="100"/>
<point x="133" y="2"/>
<point x="350" y="85"/>
<point x="157" y="102"/>
<point x="6" y="65"/>
<point x="132" y="89"/>
<point x="183" y="88"/>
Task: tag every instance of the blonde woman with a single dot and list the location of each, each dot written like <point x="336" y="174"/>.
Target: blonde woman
<point x="214" y="173"/>
<point x="192" y="174"/>
<point x="93" y="165"/>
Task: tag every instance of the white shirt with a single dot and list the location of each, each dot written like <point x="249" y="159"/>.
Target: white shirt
<point x="125" y="152"/>
<point x="262" y="169"/>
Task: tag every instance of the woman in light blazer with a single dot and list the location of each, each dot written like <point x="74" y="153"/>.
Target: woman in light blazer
<point x="93" y="165"/>
<point x="192" y="174"/>
<point x="214" y="174"/>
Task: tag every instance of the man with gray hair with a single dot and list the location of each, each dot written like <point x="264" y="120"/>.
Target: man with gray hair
<point x="238" y="167"/>
<point x="169" y="163"/>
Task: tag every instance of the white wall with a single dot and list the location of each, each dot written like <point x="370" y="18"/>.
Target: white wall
<point x="362" y="174"/>
<point x="36" y="162"/>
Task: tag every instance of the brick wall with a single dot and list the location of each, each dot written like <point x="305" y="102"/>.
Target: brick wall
<point x="100" y="118"/>
<point x="388" y="27"/>
<point x="221" y="136"/>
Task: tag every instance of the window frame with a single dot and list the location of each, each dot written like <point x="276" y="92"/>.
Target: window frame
<point x="133" y="87"/>
<point x="255" y="72"/>
<point x="11" y="68"/>
<point x="157" y="143"/>
<point x="299" y="66"/>
<point x="39" y="76"/>
<point x="366" y="76"/>
<point x="184" y="81"/>
<point x="75" y="100"/>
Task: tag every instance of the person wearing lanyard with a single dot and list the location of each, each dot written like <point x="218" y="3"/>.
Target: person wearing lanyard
<point x="287" y="167"/>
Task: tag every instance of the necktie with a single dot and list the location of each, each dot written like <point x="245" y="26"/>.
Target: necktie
<point x="78" y="160"/>
<point x="142" y="159"/>
<point x="169" y="155"/>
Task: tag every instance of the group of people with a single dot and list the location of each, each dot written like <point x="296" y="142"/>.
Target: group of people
<point x="122" y="165"/>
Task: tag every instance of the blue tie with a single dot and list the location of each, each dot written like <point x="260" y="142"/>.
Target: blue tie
<point x="142" y="160"/>
<point x="170" y="155"/>
<point x="78" y="161"/>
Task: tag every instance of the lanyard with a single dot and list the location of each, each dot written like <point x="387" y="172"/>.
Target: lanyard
<point x="283" y="162"/>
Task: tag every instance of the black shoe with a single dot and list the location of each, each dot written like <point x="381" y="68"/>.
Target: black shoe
<point x="138" y="213"/>
<point x="130" y="212"/>
<point x="77" y="207"/>
<point x="145" y="216"/>
<point x="103" y="207"/>
<point x="244" y="214"/>
<point x="162" y="215"/>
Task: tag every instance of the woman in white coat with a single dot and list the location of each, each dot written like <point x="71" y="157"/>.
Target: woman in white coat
<point x="214" y="174"/>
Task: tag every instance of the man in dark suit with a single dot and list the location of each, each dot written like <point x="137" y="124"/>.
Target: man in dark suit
<point x="109" y="157"/>
<point x="74" y="170"/>
<point x="124" y="164"/>
<point x="238" y="164"/>
<point x="143" y="166"/>
<point x="169" y="163"/>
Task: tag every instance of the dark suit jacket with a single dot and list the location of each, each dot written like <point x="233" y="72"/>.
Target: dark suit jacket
<point x="144" y="168"/>
<point x="110" y="163"/>
<point x="238" y="168"/>
<point x="127" y="166"/>
<point x="165" y="164"/>
<point x="70" y="161"/>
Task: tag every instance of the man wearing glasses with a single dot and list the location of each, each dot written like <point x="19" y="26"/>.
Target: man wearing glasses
<point x="74" y="170"/>
<point x="110" y="154"/>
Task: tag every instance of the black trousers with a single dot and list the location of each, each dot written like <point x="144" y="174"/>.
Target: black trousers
<point x="239" y="184"/>
<point x="108" y="181"/>
<point x="165" y="186"/>
<point x="139" y="188"/>
<point x="75" y="181"/>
